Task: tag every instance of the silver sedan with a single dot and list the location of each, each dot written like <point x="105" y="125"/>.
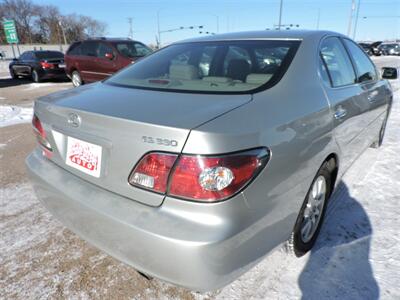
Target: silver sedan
<point x="198" y="160"/>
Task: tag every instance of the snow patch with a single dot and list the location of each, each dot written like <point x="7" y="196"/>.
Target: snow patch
<point x="33" y="86"/>
<point x="11" y="115"/>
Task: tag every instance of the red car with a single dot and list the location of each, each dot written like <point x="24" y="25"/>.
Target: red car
<point x="96" y="59"/>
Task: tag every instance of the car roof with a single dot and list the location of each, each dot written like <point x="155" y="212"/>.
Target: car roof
<point x="264" y="34"/>
<point x="111" y="40"/>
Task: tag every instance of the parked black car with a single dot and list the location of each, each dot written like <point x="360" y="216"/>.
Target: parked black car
<point x="375" y="48"/>
<point x="367" y="48"/>
<point x="38" y="65"/>
<point x="390" y="48"/>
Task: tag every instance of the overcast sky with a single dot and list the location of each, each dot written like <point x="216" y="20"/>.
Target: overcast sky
<point x="378" y="19"/>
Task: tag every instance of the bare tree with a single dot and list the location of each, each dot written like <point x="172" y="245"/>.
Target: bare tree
<point x="24" y="13"/>
<point x="78" y="27"/>
<point x="48" y="25"/>
<point x="42" y="23"/>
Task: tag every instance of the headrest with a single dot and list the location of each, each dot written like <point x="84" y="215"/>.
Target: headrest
<point x="238" y="69"/>
<point x="187" y="72"/>
<point x="258" y="78"/>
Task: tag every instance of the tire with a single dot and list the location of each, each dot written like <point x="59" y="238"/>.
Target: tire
<point x="76" y="79"/>
<point x="13" y="75"/>
<point x="381" y="135"/>
<point x="300" y="243"/>
<point x="35" y="76"/>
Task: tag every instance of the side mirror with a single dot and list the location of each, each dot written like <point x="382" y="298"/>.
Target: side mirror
<point x="390" y="73"/>
<point x="110" y="56"/>
<point x="15" y="59"/>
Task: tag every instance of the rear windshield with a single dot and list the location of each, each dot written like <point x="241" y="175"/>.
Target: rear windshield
<point x="132" y="49"/>
<point x="211" y="67"/>
<point x="49" y="54"/>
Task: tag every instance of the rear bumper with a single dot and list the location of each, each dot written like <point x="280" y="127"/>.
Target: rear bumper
<point x="52" y="73"/>
<point x="197" y="246"/>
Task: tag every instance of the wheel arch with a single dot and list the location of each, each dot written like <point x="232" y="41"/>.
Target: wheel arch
<point x="332" y="161"/>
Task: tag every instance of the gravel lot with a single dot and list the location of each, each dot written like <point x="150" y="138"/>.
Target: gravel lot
<point x="357" y="255"/>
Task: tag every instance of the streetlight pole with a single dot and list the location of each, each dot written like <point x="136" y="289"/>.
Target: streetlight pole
<point x="217" y="17"/>
<point x="158" y="29"/>
<point x="356" y="22"/>
<point x="63" y="32"/>
<point x="353" y="3"/>
<point x="280" y="15"/>
<point x="318" y="17"/>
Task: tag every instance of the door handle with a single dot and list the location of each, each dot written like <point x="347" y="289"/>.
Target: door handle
<point x="372" y="97"/>
<point x="340" y="113"/>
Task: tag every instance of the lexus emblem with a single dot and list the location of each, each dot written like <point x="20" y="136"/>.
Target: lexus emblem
<point x="74" y="120"/>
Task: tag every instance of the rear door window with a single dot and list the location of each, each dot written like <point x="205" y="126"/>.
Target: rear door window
<point x="75" y="49"/>
<point x="132" y="49"/>
<point x="103" y="49"/>
<point x="89" y="48"/>
<point x="365" y="69"/>
<point x="338" y="62"/>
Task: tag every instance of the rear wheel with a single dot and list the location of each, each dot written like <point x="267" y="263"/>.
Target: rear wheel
<point x="76" y="79"/>
<point x="35" y="76"/>
<point x="13" y="75"/>
<point x="379" y="140"/>
<point x="312" y="212"/>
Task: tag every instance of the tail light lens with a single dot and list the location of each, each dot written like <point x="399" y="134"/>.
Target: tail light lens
<point x="152" y="171"/>
<point x="40" y="133"/>
<point x="197" y="177"/>
<point x="46" y="65"/>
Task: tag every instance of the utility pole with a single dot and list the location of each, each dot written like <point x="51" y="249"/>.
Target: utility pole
<point x="158" y="29"/>
<point x="63" y="32"/>
<point x="356" y="22"/>
<point x="130" y="34"/>
<point x="280" y="16"/>
<point x="217" y="17"/>
<point x="318" y="17"/>
<point x="353" y="4"/>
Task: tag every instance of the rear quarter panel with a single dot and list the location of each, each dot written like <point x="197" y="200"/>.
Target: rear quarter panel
<point x="293" y="120"/>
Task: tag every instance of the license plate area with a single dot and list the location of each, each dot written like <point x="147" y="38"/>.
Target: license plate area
<point x="61" y="66"/>
<point x="84" y="156"/>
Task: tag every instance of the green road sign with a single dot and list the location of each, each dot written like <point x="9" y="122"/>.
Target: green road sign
<point x="10" y="31"/>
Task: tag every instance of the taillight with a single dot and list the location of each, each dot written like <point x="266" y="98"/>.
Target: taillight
<point x="214" y="178"/>
<point x="152" y="171"/>
<point x="46" y="65"/>
<point x="197" y="177"/>
<point x="40" y="133"/>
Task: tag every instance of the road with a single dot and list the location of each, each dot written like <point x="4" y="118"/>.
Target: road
<point x="357" y="255"/>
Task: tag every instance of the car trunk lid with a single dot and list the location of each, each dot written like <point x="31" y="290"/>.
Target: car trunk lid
<point x="126" y="123"/>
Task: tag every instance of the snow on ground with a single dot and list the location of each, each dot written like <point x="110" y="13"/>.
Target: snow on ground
<point x="11" y="115"/>
<point x="32" y="86"/>
<point x="4" y="65"/>
<point x="357" y="255"/>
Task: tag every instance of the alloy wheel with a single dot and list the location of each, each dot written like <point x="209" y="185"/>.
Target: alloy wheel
<point x="76" y="79"/>
<point x="313" y="211"/>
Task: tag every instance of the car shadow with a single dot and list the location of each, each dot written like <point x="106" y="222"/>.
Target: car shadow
<point x="338" y="266"/>
<point x="9" y="82"/>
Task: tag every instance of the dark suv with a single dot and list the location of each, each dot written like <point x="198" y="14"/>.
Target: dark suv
<point x="95" y="59"/>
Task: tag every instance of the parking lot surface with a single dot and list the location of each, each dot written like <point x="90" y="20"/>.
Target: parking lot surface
<point x="356" y="256"/>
